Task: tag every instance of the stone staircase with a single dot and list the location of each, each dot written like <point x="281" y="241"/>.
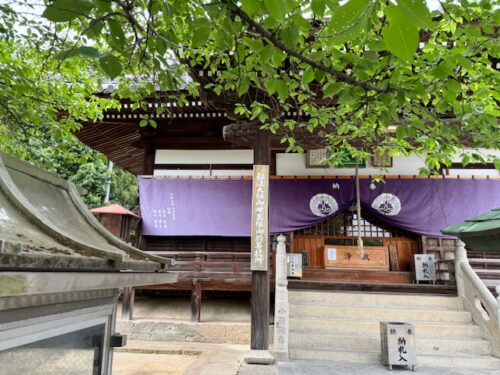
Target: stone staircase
<point x="344" y="326"/>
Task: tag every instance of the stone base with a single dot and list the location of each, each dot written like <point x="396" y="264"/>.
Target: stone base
<point x="281" y="356"/>
<point x="259" y="357"/>
<point x="175" y="331"/>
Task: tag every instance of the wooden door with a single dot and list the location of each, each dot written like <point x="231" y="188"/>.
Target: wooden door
<point x="313" y="246"/>
<point x="406" y="247"/>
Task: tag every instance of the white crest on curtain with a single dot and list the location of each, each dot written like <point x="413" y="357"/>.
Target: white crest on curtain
<point x="387" y="204"/>
<point x="323" y="205"/>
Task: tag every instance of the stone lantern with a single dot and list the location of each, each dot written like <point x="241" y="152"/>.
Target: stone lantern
<point x="60" y="274"/>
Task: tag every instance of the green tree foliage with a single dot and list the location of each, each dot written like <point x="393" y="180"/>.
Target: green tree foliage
<point x="73" y="161"/>
<point x="36" y="90"/>
<point x="124" y="189"/>
<point x="364" y="76"/>
<point x="43" y="99"/>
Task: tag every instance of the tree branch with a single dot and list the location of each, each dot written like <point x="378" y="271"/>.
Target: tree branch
<point x="339" y="76"/>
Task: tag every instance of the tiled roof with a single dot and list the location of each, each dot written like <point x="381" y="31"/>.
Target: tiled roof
<point x="114" y="209"/>
<point x="479" y="233"/>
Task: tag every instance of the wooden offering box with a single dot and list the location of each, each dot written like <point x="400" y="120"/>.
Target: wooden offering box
<point x="341" y="256"/>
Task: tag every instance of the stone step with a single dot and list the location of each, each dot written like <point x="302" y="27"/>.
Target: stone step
<point x="359" y="327"/>
<point x="376" y="299"/>
<point x="375" y="313"/>
<point x="436" y="360"/>
<point x="425" y="346"/>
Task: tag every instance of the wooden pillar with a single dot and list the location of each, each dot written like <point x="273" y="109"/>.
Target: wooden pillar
<point x="273" y="163"/>
<point x="196" y="301"/>
<point x="149" y="160"/>
<point x="148" y="137"/>
<point x="128" y="303"/>
<point x="260" y="279"/>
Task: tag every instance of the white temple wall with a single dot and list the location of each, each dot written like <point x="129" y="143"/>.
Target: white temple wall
<point x="290" y="164"/>
<point x="204" y="157"/>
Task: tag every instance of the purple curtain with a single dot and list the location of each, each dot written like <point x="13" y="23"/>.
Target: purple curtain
<point x="221" y="207"/>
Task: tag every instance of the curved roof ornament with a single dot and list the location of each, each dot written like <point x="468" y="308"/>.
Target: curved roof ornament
<point x="45" y="225"/>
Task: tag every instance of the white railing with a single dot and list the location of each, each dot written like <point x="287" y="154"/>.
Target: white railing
<point x="485" y="308"/>
<point x="281" y="307"/>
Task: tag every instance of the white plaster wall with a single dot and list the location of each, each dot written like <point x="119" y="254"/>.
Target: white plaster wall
<point x="295" y="165"/>
<point x="202" y="172"/>
<point x="204" y="157"/>
<point x="474" y="172"/>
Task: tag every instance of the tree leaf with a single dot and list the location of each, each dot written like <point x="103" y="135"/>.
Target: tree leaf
<point x="116" y="33"/>
<point x="278" y="57"/>
<point x="111" y="65"/>
<point x="267" y="53"/>
<point x="282" y="89"/>
<point x="272" y="85"/>
<point x="496" y="162"/>
<point x="250" y="6"/>
<point x="308" y="75"/>
<point x="416" y="12"/>
<point x="401" y="132"/>
<point x="276" y="8"/>
<point x="200" y="36"/>
<point x="318" y="7"/>
<point x="348" y="15"/>
<point x="400" y="37"/>
<point x="452" y="89"/>
<point x="243" y="88"/>
<point x="67" y="10"/>
<point x="80" y="51"/>
<point x="331" y="89"/>
<point x="103" y="5"/>
<point x="290" y="35"/>
<point x="161" y="45"/>
<point x="94" y="29"/>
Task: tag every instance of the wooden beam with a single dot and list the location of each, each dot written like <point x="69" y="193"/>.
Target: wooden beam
<point x="196" y="301"/>
<point x="259" y="330"/>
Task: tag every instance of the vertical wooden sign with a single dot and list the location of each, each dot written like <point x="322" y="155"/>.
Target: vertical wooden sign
<point x="260" y="218"/>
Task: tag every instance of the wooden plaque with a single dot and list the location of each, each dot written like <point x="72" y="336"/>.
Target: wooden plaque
<point x="340" y="256"/>
<point x="384" y="160"/>
<point x="260" y="218"/>
<point x="314" y="158"/>
<point x="393" y="258"/>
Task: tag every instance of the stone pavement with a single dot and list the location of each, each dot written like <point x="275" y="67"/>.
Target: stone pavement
<point x="316" y="367"/>
<point x="227" y="359"/>
<point x="193" y="358"/>
<point x="331" y="367"/>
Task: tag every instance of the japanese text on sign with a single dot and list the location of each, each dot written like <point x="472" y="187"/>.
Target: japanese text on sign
<point x="260" y="227"/>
